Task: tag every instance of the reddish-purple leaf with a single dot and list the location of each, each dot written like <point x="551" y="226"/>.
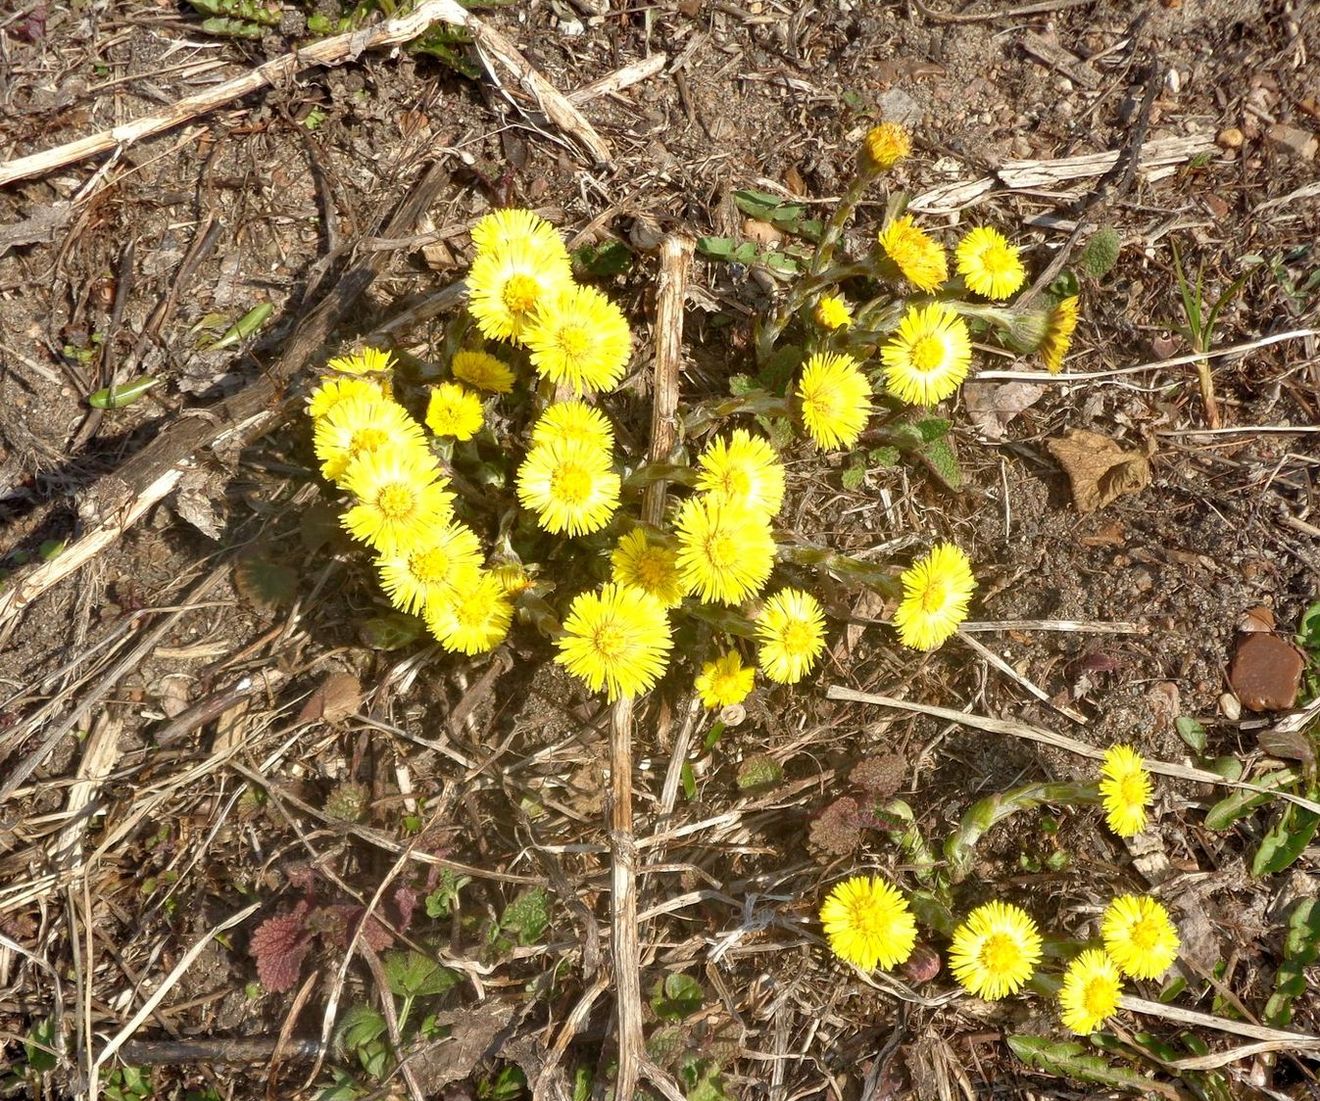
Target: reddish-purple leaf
<point x="279" y="945"/>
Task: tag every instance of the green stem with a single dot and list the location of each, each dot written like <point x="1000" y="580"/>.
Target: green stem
<point x="757" y="402"/>
<point x="650" y="473"/>
<point x="960" y="847"/>
<point x="840" y="566"/>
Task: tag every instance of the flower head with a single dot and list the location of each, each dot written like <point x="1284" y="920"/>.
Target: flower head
<point x="357" y="425"/>
<point x="1139" y="936"/>
<point x="1091" y="987"/>
<point x="336" y="389"/>
<point x="365" y="361"/>
<point x="617" y="639"/>
<point x="574" y="422"/>
<point x="868" y="923"/>
<point x="1059" y="329"/>
<point x="836" y="399"/>
<point x="918" y="255"/>
<point x="482" y="370"/>
<point x="995" y="951"/>
<point x="649" y="566"/>
<point x="513" y="227"/>
<point x="454" y="411"/>
<point x="743" y="471"/>
<point x="989" y="265"/>
<point x="724" y="681"/>
<point x="832" y="312"/>
<point x="449" y="560"/>
<point x="473" y="618"/>
<point x="936" y="590"/>
<point x="579" y="338"/>
<point x="791" y="630"/>
<point x="570" y="486"/>
<point x="521" y="263"/>
<point x="401" y="499"/>
<point x="884" y="146"/>
<point x="929" y="356"/>
<point x="725" y="553"/>
<point x="1126" y="789"/>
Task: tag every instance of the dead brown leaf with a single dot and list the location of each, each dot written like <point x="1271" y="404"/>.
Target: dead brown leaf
<point x="1098" y="469"/>
<point x="338" y="697"/>
<point x="992" y="406"/>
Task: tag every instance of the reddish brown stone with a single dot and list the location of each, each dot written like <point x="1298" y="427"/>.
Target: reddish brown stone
<point x="1266" y="672"/>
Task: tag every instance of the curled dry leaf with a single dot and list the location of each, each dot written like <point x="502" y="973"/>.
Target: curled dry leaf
<point x="338" y="697"/>
<point x="992" y="406"/>
<point x="1098" y="470"/>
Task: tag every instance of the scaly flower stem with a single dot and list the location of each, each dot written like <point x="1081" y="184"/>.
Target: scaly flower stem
<point x="650" y="473"/>
<point x="841" y="566"/>
<point x="757" y="402"/>
<point x="960" y="847"/>
<point x="801" y="292"/>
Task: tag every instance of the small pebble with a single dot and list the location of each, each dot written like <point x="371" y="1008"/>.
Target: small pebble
<point x="1229" y="707"/>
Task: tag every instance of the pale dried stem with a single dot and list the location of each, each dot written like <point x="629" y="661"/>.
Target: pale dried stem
<point x="675" y="263"/>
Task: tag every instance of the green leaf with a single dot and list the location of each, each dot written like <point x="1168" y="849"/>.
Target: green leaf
<point x="717" y="248"/>
<point x="264" y="583"/>
<point x="884" y="456"/>
<point x="932" y="429"/>
<point x="1301" y="948"/>
<point x="1068" y="1059"/>
<point x="117" y="397"/>
<point x="1241" y="803"/>
<point x="1285" y="840"/>
<point x="1100" y="255"/>
<point x="741" y="384"/>
<point x="508" y="1084"/>
<point x="1191" y="732"/>
<point x="413" y="975"/>
<point x="853" y="475"/>
<point x="1230" y="768"/>
<point x="1065" y="286"/>
<point x="784" y="215"/>
<point x="391" y="631"/>
<point x="360" y="1026"/>
<point x="603" y="261"/>
<point x="582" y="1083"/>
<point x="758" y="771"/>
<point x="440" y="903"/>
<point x="527" y="916"/>
<point x="940" y="457"/>
<point x="1308" y="631"/>
<point x="446" y="45"/>
<point x="244" y="327"/>
<point x="44" y="1034"/>
<point x="676" y="996"/>
<point x="780" y="367"/>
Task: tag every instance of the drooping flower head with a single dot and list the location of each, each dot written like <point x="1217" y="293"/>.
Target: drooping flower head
<point x="919" y="256"/>
<point x="570" y="486"/>
<point x="365" y="361"/>
<point x="1061" y="323"/>
<point x="340" y="388"/>
<point x="473" y="618"/>
<point x="574" y="422"/>
<point x="1139" y="936"/>
<point x="580" y="338"/>
<point x="836" y="399"/>
<point x="1090" y="992"/>
<point x="648" y="565"/>
<point x="616" y="638"/>
<point x="832" y="312"/>
<point x="725" y="681"/>
<point x="884" y="146"/>
<point x="929" y="356"/>
<point x="791" y="631"/>
<point x="936" y="589"/>
<point x="995" y="951"/>
<point x="743" y="471"/>
<point x="725" y="553"/>
<point x="868" y="923"/>
<point x="454" y="410"/>
<point x="448" y="561"/>
<point x="357" y="425"/>
<point x="401" y="499"/>
<point x="989" y="265"/>
<point x="1126" y="790"/>
<point x="482" y="370"/>
<point x="521" y="263"/>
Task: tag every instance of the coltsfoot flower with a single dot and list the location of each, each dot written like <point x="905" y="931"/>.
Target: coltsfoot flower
<point x="929" y="356"/>
<point x="365" y="361"/>
<point x="449" y="561"/>
<point x="919" y="256"/>
<point x="454" y="410"/>
<point x="1090" y="992"/>
<point x="743" y="471"/>
<point x="884" y="146"/>
<point x="989" y="265"/>
<point x="473" y="618"/>
<point x="832" y="312"/>
<point x="725" y="681"/>
<point x="570" y="486"/>
<point x="995" y="951"/>
<point x="337" y="389"/>
<point x="617" y="638"/>
<point x="521" y="263"/>
<point x="791" y="630"/>
<point x="836" y="399"/>
<point x="648" y="565"/>
<point x="573" y="422"/>
<point x="936" y="590"/>
<point x="1059" y="328"/>
<point x="354" y="426"/>
<point x="482" y="370"/>
<point x="868" y="923"/>
<point x="1139" y="936"/>
<point x="725" y="553"/>
<point x="580" y="338"/>
<point x="401" y="499"/>
<point x="1126" y="790"/>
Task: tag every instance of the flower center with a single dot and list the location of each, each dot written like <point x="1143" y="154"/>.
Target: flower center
<point x="1098" y="998"/>
<point x="366" y="439"/>
<point x="430" y="566"/>
<point x="610" y="641"/>
<point x="1145" y="934"/>
<point x="1000" y="953"/>
<point x="865" y="917"/>
<point x="571" y="484"/>
<point x="721" y="550"/>
<point x="520" y="293"/>
<point x="1132" y="789"/>
<point x="928" y="353"/>
<point x="396" y="501"/>
<point x="653" y="569"/>
<point x="574" y="341"/>
<point x="997" y="259"/>
<point x="934" y="596"/>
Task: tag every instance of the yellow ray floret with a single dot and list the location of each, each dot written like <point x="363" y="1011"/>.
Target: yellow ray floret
<point x="1125" y="788"/>
<point x="919" y="256"/>
<point x="868" y="923"/>
<point x="573" y="422"/>
<point x="471" y="618"/>
<point x="356" y="426"/>
<point x="885" y="145"/>
<point x="929" y="356"/>
<point x="989" y="265"/>
<point x="453" y="410"/>
<point x="1090" y="992"/>
<point x="936" y="590"/>
<point x="832" y="312"/>
<point x="725" y="681"/>
<point x="743" y="471"/>
<point x="515" y="227"/>
<point x="580" y="339"/>
<point x="617" y="639"/>
<point x="448" y="561"/>
<point x="836" y="399"/>
<point x="648" y="565"/>
<point x="521" y="264"/>
<point x="791" y="632"/>
<point x="482" y="370"/>
<point x="725" y="554"/>
<point x="1139" y="936"/>
<point x="570" y="486"/>
<point x="365" y="361"/>
<point x="336" y="389"/>
<point x="1059" y="327"/>
<point x="401" y="499"/>
<point x="995" y="951"/>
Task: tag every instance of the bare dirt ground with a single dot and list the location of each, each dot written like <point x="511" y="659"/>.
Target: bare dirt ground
<point x="175" y="752"/>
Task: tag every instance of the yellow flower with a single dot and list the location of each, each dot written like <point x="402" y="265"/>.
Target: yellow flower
<point x="936" y="590"/>
<point x="868" y="923"/>
<point x="454" y="411"/>
<point x="724" y="681"/>
<point x="617" y="639"/>
<point x="832" y="312"/>
<point x="473" y="618"/>
<point x="836" y="399"/>
<point x="725" y="553"/>
<point x="1139" y="936"/>
<point x="651" y="567"/>
<point x="929" y="356"/>
<point x="365" y="361"/>
<point x="885" y="145"/>
<point x="989" y="265"/>
<point x="574" y="421"/>
<point x="1091" y="987"/>
<point x="1058" y="334"/>
<point x="791" y="630"/>
<point x="570" y="486"/>
<point x="1126" y="788"/>
<point x="334" y="390"/>
<point x="401" y="499"/>
<point x="448" y="561"/>
<point x="580" y="338"/>
<point x="919" y="256"/>
<point x="482" y="370"/>
<point x="521" y="263"/>
<point x="995" y="951"/>
<point x="743" y="471"/>
<point x="357" y="425"/>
